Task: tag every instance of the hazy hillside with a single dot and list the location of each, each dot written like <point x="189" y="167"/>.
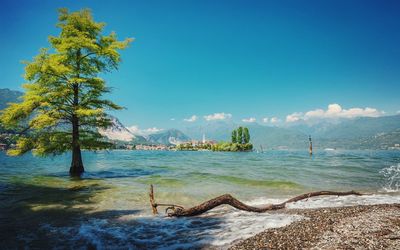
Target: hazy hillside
<point x="217" y="130"/>
<point x="7" y="96"/>
<point x="360" y="133"/>
<point x="274" y="137"/>
<point x="168" y="137"/>
<point x="362" y="127"/>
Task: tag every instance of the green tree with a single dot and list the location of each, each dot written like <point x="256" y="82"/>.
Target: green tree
<point x="240" y="135"/>
<point x="246" y="135"/>
<point x="234" y="136"/>
<point x="62" y="107"/>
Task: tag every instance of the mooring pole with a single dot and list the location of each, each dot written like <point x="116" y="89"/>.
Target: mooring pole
<point x="309" y="138"/>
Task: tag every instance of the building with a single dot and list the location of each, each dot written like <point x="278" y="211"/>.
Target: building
<point x="151" y="147"/>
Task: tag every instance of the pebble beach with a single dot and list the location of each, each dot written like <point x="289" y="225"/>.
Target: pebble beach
<point x="355" y="227"/>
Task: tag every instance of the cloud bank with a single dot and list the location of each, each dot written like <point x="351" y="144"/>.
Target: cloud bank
<point x="193" y="118"/>
<point x="334" y="111"/>
<point x="275" y="120"/>
<point x="249" y="120"/>
<point x="217" y="116"/>
<point x="143" y="132"/>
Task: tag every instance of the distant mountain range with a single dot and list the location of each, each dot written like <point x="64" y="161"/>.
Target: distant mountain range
<point x="168" y="137"/>
<point x="359" y="133"/>
<point x="118" y="132"/>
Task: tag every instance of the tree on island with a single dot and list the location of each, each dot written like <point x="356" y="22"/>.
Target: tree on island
<point x="246" y="135"/>
<point x="241" y="135"/>
<point x="240" y="141"/>
<point x="234" y="136"/>
<point x="62" y="107"/>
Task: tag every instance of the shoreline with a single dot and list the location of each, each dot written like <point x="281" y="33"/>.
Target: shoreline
<point x="348" y="227"/>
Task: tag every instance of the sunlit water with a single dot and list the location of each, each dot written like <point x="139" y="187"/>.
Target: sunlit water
<point x="42" y="207"/>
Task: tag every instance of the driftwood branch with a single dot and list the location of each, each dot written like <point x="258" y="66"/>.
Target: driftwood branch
<point x="173" y="210"/>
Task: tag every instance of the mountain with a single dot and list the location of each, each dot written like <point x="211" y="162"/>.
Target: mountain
<point x="362" y="127"/>
<point x="216" y="130"/>
<point x="117" y="131"/>
<point x="7" y="96"/>
<point x="359" y="133"/>
<point x="168" y="137"/>
<point x="276" y="137"/>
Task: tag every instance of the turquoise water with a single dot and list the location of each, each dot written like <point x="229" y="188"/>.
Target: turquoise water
<point x="41" y="206"/>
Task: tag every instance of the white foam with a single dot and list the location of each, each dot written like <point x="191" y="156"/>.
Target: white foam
<point x="218" y="228"/>
<point x="334" y="201"/>
<point x="352" y="200"/>
<point x="392" y="178"/>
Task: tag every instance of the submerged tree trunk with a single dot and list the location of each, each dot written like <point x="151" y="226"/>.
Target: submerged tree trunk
<point x="227" y="199"/>
<point x="76" y="168"/>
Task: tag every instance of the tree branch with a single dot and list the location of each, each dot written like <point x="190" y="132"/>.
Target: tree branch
<point x="227" y="199"/>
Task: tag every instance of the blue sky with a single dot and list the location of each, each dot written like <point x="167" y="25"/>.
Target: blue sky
<point x="246" y="59"/>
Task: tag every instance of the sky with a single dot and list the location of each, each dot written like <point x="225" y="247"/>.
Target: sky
<point x="271" y="62"/>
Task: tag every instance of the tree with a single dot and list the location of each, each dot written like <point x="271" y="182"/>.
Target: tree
<point x="234" y="136"/>
<point x="62" y="107"/>
<point x="240" y="135"/>
<point x="246" y="135"/>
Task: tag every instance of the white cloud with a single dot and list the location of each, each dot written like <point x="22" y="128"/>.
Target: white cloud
<point x="137" y="131"/>
<point x="275" y="120"/>
<point x="294" y="117"/>
<point x="153" y="130"/>
<point x="251" y="119"/>
<point x="217" y="116"/>
<point x="334" y="111"/>
<point x="193" y="118"/>
<point x="265" y="119"/>
<point x="172" y="119"/>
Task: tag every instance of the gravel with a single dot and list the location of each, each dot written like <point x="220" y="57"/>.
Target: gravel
<point x="356" y="227"/>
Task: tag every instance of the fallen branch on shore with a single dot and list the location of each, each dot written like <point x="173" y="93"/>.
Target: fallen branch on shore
<point x="173" y="210"/>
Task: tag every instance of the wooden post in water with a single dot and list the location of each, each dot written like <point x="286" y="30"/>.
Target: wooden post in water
<point x="152" y="202"/>
<point x="309" y="138"/>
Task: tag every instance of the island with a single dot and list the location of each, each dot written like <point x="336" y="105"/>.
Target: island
<point x="240" y="142"/>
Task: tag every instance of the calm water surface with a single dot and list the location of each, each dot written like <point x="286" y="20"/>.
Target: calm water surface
<point x="41" y="206"/>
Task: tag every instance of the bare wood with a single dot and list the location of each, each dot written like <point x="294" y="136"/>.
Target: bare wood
<point x="152" y="202"/>
<point x="227" y="199"/>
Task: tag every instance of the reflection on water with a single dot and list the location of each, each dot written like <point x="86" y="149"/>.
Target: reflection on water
<point x="41" y="206"/>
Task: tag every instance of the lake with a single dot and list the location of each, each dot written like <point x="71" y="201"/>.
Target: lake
<point x="41" y="206"/>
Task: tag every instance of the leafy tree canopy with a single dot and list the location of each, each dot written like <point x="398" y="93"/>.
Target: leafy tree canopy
<point x="63" y="104"/>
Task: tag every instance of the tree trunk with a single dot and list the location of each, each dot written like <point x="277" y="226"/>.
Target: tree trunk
<point x="76" y="168"/>
<point x="227" y="199"/>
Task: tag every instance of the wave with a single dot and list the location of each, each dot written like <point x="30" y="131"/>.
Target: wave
<point x="217" y="229"/>
<point x="392" y="178"/>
